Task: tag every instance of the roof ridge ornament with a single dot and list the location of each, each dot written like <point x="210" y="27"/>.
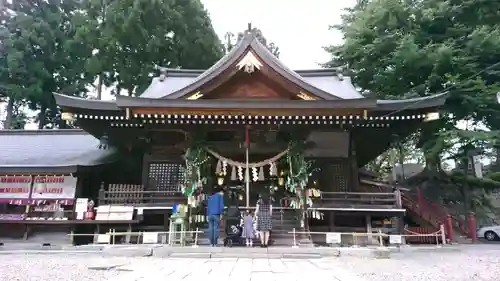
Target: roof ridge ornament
<point x="339" y="71"/>
<point x="163" y="72"/>
<point x="249" y="63"/>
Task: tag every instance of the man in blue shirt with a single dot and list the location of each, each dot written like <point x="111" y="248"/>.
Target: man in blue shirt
<point x="215" y="207"/>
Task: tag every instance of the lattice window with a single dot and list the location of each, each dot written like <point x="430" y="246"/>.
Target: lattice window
<point x="340" y="176"/>
<point x="165" y="177"/>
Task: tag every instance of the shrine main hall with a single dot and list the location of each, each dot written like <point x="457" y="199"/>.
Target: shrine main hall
<point x="248" y="123"/>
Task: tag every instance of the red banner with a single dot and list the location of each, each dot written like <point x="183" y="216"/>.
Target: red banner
<point x="15" y="187"/>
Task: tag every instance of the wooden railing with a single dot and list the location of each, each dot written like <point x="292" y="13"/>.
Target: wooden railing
<point x="136" y="195"/>
<point x="433" y="213"/>
<point x="370" y="200"/>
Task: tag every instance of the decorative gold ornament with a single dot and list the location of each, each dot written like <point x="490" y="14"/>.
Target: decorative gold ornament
<point x="249" y="63"/>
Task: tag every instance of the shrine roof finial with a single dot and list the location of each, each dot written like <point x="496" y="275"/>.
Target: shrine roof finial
<point x="249" y="28"/>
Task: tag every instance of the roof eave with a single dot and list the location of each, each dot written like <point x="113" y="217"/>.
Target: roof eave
<point x="432" y="101"/>
<point x="134" y="102"/>
<point x="19" y="169"/>
<point x="85" y="104"/>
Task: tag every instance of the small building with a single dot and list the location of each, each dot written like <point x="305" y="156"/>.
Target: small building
<point x="41" y="174"/>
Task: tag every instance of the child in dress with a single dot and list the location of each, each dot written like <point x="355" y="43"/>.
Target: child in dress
<point x="248" y="229"/>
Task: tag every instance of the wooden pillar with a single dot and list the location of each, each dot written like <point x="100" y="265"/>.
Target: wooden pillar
<point x="146" y="160"/>
<point x="368" y="220"/>
<point x="354" y="178"/>
<point x="331" y="223"/>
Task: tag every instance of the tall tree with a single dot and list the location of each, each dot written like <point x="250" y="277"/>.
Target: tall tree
<point x="399" y="49"/>
<point x="127" y="39"/>
<point x="39" y="56"/>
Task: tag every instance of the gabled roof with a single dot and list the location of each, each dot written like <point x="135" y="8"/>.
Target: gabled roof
<point x="175" y="80"/>
<point x="181" y="86"/>
<point x="53" y="151"/>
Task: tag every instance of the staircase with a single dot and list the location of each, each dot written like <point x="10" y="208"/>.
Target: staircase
<point x="428" y="212"/>
<point x="284" y="221"/>
<point x="433" y="213"/>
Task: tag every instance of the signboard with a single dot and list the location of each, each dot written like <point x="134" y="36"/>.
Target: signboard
<point x="395" y="239"/>
<point x="15" y="189"/>
<point x="54" y="187"/>
<point x="333" y="238"/>
<point x="81" y="205"/>
<point x="150" y="237"/>
<point x="478" y="166"/>
<point x="103" y="238"/>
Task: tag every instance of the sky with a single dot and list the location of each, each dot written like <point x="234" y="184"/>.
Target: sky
<point x="298" y="28"/>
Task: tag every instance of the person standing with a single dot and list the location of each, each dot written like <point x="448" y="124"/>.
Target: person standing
<point x="248" y="231"/>
<point x="264" y="212"/>
<point x="215" y="208"/>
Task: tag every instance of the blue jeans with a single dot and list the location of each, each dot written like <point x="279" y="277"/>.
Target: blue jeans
<point x="213" y="229"/>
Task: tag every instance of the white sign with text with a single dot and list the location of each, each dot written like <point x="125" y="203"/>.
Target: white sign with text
<point x="395" y="239"/>
<point x="54" y="187"/>
<point x="15" y="187"/>
<point x="333" y="238"/>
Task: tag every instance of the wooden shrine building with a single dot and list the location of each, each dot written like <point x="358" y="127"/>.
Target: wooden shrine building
<point x="249" y="95"/>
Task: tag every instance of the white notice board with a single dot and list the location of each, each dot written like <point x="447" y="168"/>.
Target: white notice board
<point x="395" y="239"/>
<point x="333" y="238"/>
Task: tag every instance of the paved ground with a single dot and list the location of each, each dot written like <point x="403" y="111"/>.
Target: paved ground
<point x="222" y="269"/>
<point x="474" y="262"/>
<point x="471" y="262"/>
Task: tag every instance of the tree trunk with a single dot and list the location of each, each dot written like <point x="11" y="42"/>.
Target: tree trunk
<point x="466" y="191"/>
<point x="9" y="114"/>
<point x="41" y="117"/>
<point x="99" y="86"/>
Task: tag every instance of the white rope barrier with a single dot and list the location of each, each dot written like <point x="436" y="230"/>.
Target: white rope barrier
<point x="438" y="234"/>
<point x="250" y="165"/>
<point x="112" y="235"/>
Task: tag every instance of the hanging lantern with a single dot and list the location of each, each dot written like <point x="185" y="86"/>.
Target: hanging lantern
<point x="240" y="197"/>
<point x="220" y="179"/>
<point x="281" y="179"/>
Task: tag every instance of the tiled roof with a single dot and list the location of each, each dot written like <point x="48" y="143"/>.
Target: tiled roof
<point x="327" y="81"/>
<point x="57" y="151"/>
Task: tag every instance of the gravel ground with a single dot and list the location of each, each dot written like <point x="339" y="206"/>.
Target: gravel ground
<point x="464" y="263"/>
<point x="61" y="267"/>
<point x="478" y="262"/>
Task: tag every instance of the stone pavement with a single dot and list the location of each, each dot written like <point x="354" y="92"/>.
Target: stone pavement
<point x="241" y="269"/>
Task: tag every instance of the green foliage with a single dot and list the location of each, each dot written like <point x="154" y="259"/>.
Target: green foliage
<point x="398" y="49"/>
<point x="494" y="176"/>
<point x="38" y="55"/>
<point x="64" y="45"/>
<point x="127" y="39"/>
<point x="407" y="153"/>
<point x="299" y="173"/>
<point x="395" y="49"/>
<point x="486" y="184"/>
